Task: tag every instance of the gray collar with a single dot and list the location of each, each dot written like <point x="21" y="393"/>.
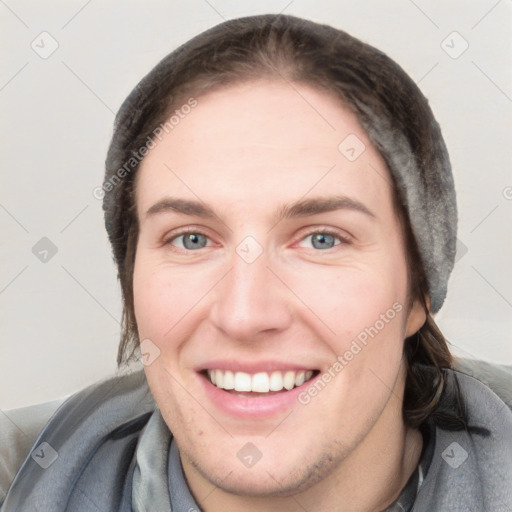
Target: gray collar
<point x="115" y="454"/>
<point x="152" y="493"/>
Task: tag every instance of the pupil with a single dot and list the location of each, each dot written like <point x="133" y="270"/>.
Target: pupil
<point x="323" y="241"/>
<point x="193" y="241"/>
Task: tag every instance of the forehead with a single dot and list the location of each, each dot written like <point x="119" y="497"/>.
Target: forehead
<point x="277" y="139"/>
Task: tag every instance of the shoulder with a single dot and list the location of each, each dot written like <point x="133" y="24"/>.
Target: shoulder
<point x="106" y="405"/>
<point x="471" y="469"/>
<point x="496" y="377"/>
<point x="19" y="429"/>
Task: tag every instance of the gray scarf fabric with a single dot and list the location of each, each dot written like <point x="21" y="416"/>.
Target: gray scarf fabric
<point x="116" y="454"/>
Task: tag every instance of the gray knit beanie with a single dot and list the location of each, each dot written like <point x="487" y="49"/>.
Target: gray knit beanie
<point x="389" y="105"/>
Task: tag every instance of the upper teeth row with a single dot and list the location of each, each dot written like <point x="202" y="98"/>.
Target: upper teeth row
<point x="259" y="382"/>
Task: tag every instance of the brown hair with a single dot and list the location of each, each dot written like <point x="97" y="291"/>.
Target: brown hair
<point x="297" y="51"/>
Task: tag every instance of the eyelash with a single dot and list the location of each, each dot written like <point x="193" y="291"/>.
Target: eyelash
<point x="174" y="236"/>
<point x="326" y="231"/>
<point x="321" y="231"/>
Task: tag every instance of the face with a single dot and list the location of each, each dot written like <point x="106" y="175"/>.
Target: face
<point x="270" y="261"/>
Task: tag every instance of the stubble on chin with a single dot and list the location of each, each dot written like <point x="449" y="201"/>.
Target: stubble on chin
<point x="269" y="482"/>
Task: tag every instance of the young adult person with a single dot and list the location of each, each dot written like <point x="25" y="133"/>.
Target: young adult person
<point x="282" y="212"/>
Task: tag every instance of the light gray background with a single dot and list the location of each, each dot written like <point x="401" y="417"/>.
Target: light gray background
<point x="60" y="318"/>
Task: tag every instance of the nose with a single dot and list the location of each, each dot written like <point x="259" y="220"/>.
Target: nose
<point x="250" y="301"/>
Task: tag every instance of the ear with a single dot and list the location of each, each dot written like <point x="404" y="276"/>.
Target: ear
<point x="417" y="316"/>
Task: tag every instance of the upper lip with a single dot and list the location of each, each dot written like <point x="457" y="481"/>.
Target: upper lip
<point x="253" y="367"/>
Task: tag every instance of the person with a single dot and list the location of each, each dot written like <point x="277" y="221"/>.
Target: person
<point x="281" y="209"/>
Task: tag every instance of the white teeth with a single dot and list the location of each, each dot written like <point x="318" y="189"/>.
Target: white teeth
<point x="260" y="382"/>
<point x="299" y="378"/>
<point x="228" y="381"/>
<point x="242" y="381"/>
<point x="276" y="381"/>
<point x="218" y="378"/>
<point x="289" y="380"/>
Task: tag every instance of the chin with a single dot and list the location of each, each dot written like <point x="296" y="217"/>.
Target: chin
<point x="274" y="478"/>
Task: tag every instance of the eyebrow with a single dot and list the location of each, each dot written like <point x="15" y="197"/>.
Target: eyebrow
<point x="183" y="206"/>
<point x="314" y="206"/>
<point x="300" y="208"/>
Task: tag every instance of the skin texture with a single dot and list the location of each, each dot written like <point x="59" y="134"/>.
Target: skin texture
<point x="247" y="150"/>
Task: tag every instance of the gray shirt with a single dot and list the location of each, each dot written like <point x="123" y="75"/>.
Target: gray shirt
<point x="113" y="429"/>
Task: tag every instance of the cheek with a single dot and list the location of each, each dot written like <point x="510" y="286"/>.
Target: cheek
<point x="363" y="305"/>
<point x="348" y="300"/>
<point x="367" y="316"/>
<point x="158" y="303"/>
<point x="149" y="301"/>
<point x="164" y="309"/>
<point x="170" y="304"/>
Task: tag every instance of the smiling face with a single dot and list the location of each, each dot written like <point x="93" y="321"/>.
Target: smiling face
<point x="265" y="251"/>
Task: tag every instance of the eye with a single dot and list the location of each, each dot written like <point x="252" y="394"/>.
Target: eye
<point x="321" y="240"/>
<point x="189" y="241"/>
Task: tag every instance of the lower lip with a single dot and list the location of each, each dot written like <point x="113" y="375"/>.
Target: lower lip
<point x="258" y="407"/>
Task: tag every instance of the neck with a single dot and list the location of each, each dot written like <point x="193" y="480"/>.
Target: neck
<point x="368" y="480"/>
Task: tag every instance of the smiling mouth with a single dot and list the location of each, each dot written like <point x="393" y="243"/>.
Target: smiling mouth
<point x="258" y="383"/>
